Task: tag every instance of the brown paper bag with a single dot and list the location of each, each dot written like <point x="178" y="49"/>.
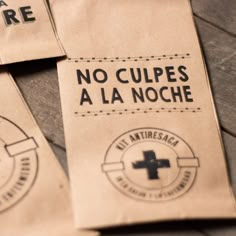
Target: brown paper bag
<point x="142" y="136"/>
<point x="34" y="194"/>
<point x="27" y="31"/>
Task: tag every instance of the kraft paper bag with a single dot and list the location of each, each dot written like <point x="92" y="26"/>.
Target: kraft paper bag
<point x="142" y="137"/>
<point x="27" y="31"/>
<point x="34" y="194"/>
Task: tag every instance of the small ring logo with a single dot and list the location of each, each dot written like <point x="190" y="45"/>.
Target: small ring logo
<point x="18" y="164"/>
<point x="151" y="164"/>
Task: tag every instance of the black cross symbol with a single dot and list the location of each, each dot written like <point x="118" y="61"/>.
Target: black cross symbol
<point x="152" y="164"/>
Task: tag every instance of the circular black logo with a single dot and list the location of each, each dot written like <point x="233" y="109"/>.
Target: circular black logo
<point x="18" y="163"/>
<point x="151" y="164"/>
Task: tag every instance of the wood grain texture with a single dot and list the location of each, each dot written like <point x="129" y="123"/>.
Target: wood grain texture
<point x="220" y="52"/>
<point x="230" y="149"/>
<point x="39" y="87"/>
<point x="221" y="13"/>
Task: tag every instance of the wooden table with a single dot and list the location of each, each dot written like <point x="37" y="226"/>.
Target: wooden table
<point x="216" y="23"/>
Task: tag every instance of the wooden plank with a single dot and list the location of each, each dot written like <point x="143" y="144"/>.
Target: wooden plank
<point x="218" y="12"/>
<point x="230" y="148"/>
<point x="39" y="86"/>
<point x="226" y="228"/>
<point x="222" y="227"/>
<point x="220" y="52"/>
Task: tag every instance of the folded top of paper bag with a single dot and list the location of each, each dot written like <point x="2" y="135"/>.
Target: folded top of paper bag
<point x="27" y="32"/>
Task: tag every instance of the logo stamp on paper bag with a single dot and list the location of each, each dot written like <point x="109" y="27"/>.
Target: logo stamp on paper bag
<point x="18" y="164"/>
<point x="151" y="164"/>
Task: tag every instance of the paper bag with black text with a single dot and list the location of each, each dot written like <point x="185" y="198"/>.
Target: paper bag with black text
<point x="34" y="194"/>
<point x="27" y="32"/>
<point x="142" y="137"/>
